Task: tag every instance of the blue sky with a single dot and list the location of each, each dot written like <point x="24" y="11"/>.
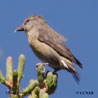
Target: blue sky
<point x="75" y="19"/>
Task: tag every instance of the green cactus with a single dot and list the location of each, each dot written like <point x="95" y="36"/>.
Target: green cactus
<point x="41" y="88"/>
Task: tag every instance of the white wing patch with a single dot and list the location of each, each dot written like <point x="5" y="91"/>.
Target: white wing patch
<point x="65" y="65"/>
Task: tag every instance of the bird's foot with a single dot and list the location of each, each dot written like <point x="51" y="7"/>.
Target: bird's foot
<point x="55" y="71"/>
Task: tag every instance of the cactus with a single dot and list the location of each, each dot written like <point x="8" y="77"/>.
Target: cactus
<point x="41" y="88"/>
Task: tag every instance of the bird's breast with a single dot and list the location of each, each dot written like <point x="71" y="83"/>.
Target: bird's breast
<point x="44" y="52"/>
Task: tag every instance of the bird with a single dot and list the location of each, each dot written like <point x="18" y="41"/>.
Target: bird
<point x="49" y="46"/>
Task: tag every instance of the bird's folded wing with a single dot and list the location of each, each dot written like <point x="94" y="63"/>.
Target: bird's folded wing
<point x="56" y="43"/>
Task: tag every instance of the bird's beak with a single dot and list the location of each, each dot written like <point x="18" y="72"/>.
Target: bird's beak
<point x="20" y="28"/>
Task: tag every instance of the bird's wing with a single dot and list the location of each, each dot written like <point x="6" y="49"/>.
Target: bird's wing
<point x="54" y="40"/>
<point x="51" y="32"/>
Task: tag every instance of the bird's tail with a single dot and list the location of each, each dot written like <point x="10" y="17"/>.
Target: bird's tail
<point x="70" y="68"/>
<point x="74" y="73"/>
<point x="78" y="63"/>
<point x="76" y="77"/>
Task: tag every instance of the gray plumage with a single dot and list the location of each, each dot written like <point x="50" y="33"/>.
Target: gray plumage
<point x="48" y="45"/>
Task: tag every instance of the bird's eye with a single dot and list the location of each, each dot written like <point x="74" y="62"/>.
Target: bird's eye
<point x="27" y="20"/>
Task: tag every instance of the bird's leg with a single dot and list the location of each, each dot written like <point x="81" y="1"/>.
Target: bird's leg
<point x="55" y="71"/>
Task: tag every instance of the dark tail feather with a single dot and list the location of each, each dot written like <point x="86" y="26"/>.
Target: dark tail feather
<point x="76" y="77"/>
<point x="78" y="62"/>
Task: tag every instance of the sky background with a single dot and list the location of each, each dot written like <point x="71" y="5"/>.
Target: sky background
<point x="75" y="19"/>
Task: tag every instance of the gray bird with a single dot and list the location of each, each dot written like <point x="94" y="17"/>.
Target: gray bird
<point x="48" y="45"/>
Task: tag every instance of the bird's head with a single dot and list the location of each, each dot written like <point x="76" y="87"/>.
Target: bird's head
<point x="30" y="23"/>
